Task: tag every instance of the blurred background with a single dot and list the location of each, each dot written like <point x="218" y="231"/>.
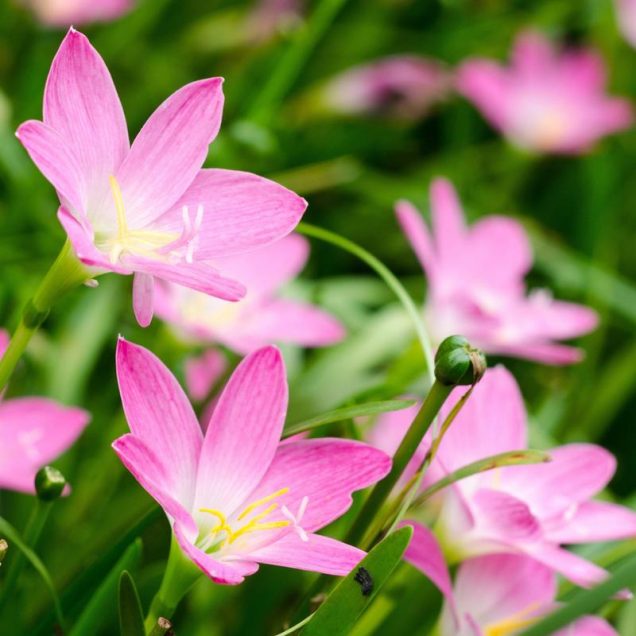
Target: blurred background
<point x="295" y="113"/>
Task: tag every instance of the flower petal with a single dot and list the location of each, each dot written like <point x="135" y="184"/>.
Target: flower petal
<point x="143" y="292"/>
<point x="504" y="517"/>
<point x="203" y="371"/>
<point x="418" y="235"/>
<point x="244" y="432"/>
<point x="159" y="413"/>
<point x="588" y="626"/>
<point x="449" y="229"/>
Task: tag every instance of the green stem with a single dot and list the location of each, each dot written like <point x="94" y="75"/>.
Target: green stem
<point x="387" y="276"/>
<point x="413" y="438"/>
<point x="65" y="273"/>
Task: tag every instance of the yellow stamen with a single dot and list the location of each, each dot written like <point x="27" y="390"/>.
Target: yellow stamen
<point x="254" y="527"/>
<point x="260" y="502"/>
<point x="512" y="625"/>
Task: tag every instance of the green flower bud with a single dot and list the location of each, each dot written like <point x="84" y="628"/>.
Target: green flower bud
<point x="457" y="363"/>
<point x="49" y="483"/>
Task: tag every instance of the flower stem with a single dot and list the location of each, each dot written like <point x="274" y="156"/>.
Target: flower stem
<point x="65" y="273"/>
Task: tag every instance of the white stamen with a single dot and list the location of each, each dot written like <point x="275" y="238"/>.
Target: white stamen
<point x="296" y="519"/>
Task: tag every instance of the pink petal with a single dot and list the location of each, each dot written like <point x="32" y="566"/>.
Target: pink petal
<point x="34" y="431"/>
<point x="425" y="554"/>
<point x="170" y="149"/>
<point x="588" y="626"/>
<point x="159" y="413"/>
<point x="202" y="372"/>
<point x="4" y="341"/>
<point x="548" y="353"/>
<point x="326" y="471"/>
<point x="317" y="554"/>
<point x="533" y="54"/>
<point x="241" y="212"/>
<point x="244" y="432"/>
<point x="81" y="104"/>
<point x="418" y="235"/>
<point x="505" y="517"/>
<point x="57" y="162"/>
<point x="448" y="220"/>
<point x="143" y="292"/>
<point x="573" y="567"/>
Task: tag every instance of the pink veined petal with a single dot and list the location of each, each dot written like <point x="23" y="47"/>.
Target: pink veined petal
<point x="169" y="150"/>
<point x="418" y="235"/>
<point x="203" y="371"/>
<point x="244" y="432"/>
<point x="448" y="220"/>
<point x="425" y="554"/>
<point x="588" y="626"/>
<point x="242" y="212"/>
<point x="143" y="293"/>
<point x="156" y="477"/>
<point x="317" y="554"/>
<point x="594" y="521"/>
<point x="34" y="431"/>
<point x="504" y="517"/>
<point x="326" y="471"/>
<point x="158" y="412"/>
<point x="82" y="105"/>
<point x="548" y="353"/>
<point x="56" y="161"/>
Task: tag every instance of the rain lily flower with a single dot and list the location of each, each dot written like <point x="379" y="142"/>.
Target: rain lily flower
<point x="546" y="101"/>
<point x="503" y="594"/>
<point x="476" y="287"/>
<point x="531" y="510"/>
<point x="270" y="17"/>
<point x="34" y="431"/>
<point x="261" y="317"/>
<point x="237" y="496"/>
<point x="626" y="14"/>
<point x="202" y="372"/>
<point x="404" y="86"/>
<point x="63" y="13"/>
<point x="148" y="209"/>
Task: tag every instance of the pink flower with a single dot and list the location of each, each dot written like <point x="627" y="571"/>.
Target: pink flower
<point x="404" y="86"/>
<point x="626" y="14"/>
<point x="33" y="432"/>
<point x="63" y="13"/>
<point x="261" y="317"/>
<point x="546" y="101"/>
<point x="201" y="372"/>
<point x="531" y="510"/>
<point x="237" y="496"/>
<point x="476" y="287"/>
<point x="270" y="17"/>
<point x="149" y="208"/>
<point x="503" y="594"/>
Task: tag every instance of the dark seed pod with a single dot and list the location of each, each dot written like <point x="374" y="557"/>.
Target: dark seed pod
<point x="49" y="483"/>
<point x="457" y="363"/>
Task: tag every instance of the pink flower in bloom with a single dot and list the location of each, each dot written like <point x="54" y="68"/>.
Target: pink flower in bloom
<point x="626" y="14"/>
<point x="503" y="594"/>
<point x="63" y="13"/>
<point x="405" y="86"/>
<point x="531" y="510"/>
<point x="149" y="208"/>
<point x="261" y="317"/>
<point x="546" y="101"/>
<point x="476" y="287"/>
<point x="237" y="496"/>
<point x="34" y="431"/>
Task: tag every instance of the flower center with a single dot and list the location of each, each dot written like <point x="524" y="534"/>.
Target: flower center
<point x="512" y="625"/>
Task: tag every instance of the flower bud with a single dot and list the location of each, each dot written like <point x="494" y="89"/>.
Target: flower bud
<point x="457" y="363"/>
<point x="49" y="483"/>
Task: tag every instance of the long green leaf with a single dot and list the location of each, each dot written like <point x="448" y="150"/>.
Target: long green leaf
<point x="14" y="538"/>
<point x="131" y="620"/>
<point x="104" y="600"/>
<point x="586" y="601"/>
<point x="338" y="614"/>
<point x="348" y="412"/>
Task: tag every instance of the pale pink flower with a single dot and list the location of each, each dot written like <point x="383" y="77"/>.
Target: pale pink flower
<point x="271" y="17"/>
<point x="476" y="288"/>
<point x="33" y="432"/>
<point x="262" y="317"/>
<point x="64" y="13"/>
<point x="149" y="208"/>
<point x="531" y="510"/>
<point x="547" y="100"/>
<point x="404" y="86"/>
<point x="237" y="496"/>
<point x="504" y="594"/>
<point x="626" y="15"/>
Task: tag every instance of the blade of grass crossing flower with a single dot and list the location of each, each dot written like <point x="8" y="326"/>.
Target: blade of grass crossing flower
<point x="339" y="613"/>
<point x="348" y="412"/>
<point x="131" y="620"/>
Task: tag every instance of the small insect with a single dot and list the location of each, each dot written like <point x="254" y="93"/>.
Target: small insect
<point x="363" y="577"/>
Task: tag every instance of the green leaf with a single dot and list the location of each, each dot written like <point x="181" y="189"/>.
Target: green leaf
<point x="131" y="619"/>
<point x="347" y="413"/>
<point x="103" y="601"/>
<point x="339" y="613"/>
<point x="14" y="538"/>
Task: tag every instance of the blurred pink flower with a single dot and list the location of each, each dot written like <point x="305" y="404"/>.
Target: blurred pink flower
<point x="476" y="287"/>
<point x="626" y="14"/>
<point x="201" y="372"/>
<point x="33" y="432"/>
<point x="64" y="13"/>
<point x="261" y="317"/>
<point x="546" y="101"/>
<point x="237" y="496"/>
<point x="149" y="209"/>
<point x="504" y="594"/>
<point x="530" y="510"/>
<point x="270" y="17"/>
<point x="403" y="86"/>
